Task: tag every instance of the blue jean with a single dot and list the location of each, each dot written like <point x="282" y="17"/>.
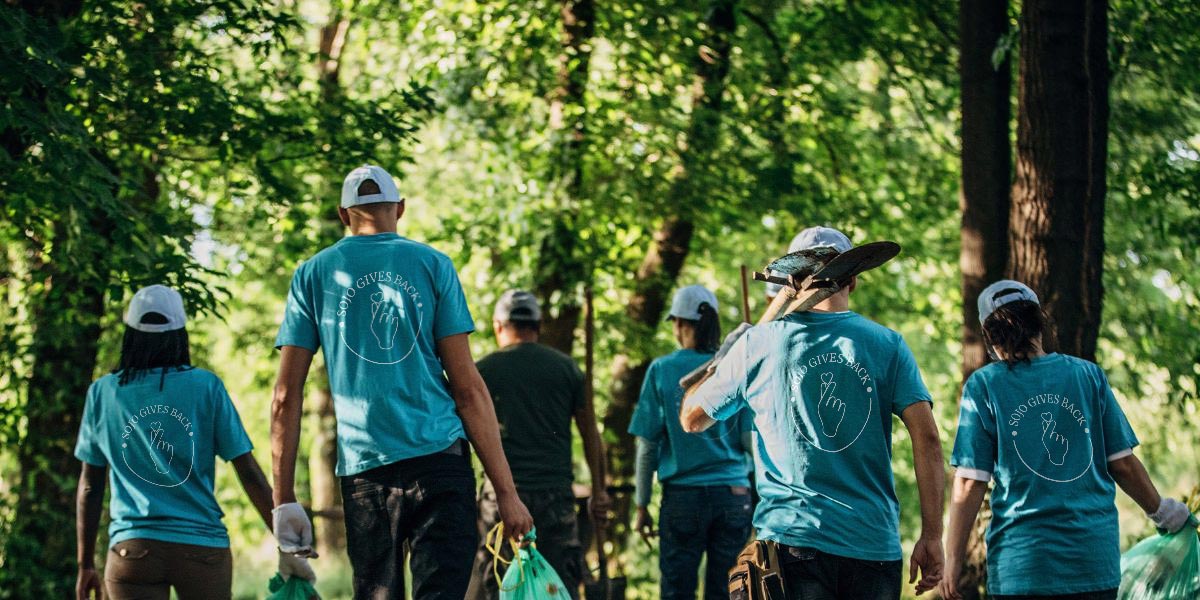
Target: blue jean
<point x="696" y="520"/>
<point x="814" y="575"/>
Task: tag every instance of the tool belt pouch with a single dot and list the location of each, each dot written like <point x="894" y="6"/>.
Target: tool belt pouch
<point x="757" y="574"/>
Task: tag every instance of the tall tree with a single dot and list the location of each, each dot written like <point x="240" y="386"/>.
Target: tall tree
<point x="560" y="266"/>
<point x="1057" y="217"/>
<point x="672" y="240"/>
<point x="986" y="84"/>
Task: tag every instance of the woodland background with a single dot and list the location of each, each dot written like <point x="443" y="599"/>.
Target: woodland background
<point x="630" y="146"/>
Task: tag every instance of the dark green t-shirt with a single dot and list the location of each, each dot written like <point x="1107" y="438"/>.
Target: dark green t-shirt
<point x="536" y="390"/>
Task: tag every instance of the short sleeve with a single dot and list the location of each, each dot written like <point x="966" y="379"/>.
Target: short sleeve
<point x="299" y="327"/>
<point x="648" y="419"/>
<point x="1118" y="435"/>
<point x="975" y="442"/>
<point x="577" y="386"/>
<point x="229" y="436"/>
<point x="724" y="394"/>
<point x="451" y="315"/>
<point x="907" y="386"/>
<point x="88" y="447"/>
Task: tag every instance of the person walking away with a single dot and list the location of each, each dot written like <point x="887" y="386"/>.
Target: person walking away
<point x="823" y="386"/>
<point x="706" y="503"/>
<point x="153" y="427"/>
<point x="391" y="317"/>
<point x="537" y="391"/>
<point x="1046" y="430"/>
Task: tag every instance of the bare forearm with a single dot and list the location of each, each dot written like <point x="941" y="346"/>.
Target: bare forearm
<point x="255" y="483"/>
<point x="1131" y="475"/>
<point x="286" y="410"/>
<point x="929" y="466"/>
<point x="89" y="502"/>
<point x="964" y="507"/>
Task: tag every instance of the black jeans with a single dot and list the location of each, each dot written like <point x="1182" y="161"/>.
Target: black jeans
<point x="814" y="575"/>
<point x="1100" y="595"/>
<point x="553" y="512"/>
<point x="695" y="520"/>
<point x="425" y="505"/>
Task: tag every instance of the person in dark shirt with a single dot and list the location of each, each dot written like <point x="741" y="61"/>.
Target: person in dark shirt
<point x="537" y="390"/>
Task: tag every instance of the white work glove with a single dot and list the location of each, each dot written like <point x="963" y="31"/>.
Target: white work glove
<point x="293" y="530"/>
<point x="291" y="566"/>
<point x="1171" y="515"/>
<point x="730" y="340"/>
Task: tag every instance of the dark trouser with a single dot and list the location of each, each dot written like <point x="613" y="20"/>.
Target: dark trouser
<point x="1100" y="595"/>
<point x="814" y="575"/>
<point x="557" y="538"/>
<point x="695" y="520"/>
<point x="425" y="505"/>
<point x="141" y="569"/>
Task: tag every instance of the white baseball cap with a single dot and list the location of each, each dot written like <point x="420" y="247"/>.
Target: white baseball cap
<point x="387" y="187"/>
<point x="156" y="299"/>
<point x="813" y="237"/>
<point x="1003" y="292"/>
<point x="687" y="301"/>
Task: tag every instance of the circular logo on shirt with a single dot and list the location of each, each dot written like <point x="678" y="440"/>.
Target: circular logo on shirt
<point x="1052" y="437"/>
<point x="380" y="316"/>
<point x="831" y="399"/>
<point x="158" y="445"/>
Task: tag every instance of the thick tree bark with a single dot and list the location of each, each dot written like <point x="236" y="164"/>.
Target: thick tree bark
<point x="560" y="267"/>
<point x="1057" y="218"/>
<point x="657" y="274"/>
<point x="986" y="184"/>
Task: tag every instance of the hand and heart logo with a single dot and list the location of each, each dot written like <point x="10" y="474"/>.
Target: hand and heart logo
<point x="380" y="315"/>
<point x="158" y="445"/>
<point x="831" y="400"/>
<point x="1051" y="437"/>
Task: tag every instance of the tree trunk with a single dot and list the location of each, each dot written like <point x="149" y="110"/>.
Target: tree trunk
<point x="986" y="181"/>
<point x="325" y="491"/>
<point x="560" y="267"/>
<point x="664" y="260"/>
<point x="1057" y="218"/>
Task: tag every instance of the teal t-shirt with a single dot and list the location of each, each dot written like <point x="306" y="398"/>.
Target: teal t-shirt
<point x="1044" y="431"/>
<point x="377" y="304"/>
<point x="823" y="388"/>
<point x="160" y="448"/>
<point x="713" y="457"/>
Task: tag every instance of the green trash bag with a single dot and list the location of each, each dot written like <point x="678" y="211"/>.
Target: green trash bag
<point x="529" y="576"/>
<point x="1162" y="567"/>
<point x="294" y="588"/>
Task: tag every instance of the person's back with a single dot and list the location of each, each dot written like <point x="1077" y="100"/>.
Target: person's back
<point x="392" y="319"/>
<point x="536" y="390"/>
<point x="824" y="420"/>
<point x="154" y="428"/>
<point x="377" y="304"/>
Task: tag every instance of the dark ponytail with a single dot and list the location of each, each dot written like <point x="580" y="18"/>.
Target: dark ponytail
<point x="144" y="352"/>
<point x="1012" y="328"/>
<point x="708" y="328"/>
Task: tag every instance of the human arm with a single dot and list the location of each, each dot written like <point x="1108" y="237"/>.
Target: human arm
<point x="593" y="452"/>
<point x="965" y="501"/>
<point x="287" y="405"/>
<point x="1167" y="514"/>
<point x="929" y="466"/>
<point x="645" y="466"/>
<point x="475" y="408"/>
<point x="255" y="483"/>
<point x="89" y="502"/>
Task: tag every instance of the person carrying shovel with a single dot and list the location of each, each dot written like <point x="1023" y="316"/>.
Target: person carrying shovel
<point x="705" y="477"/>
<point x="1046" y="430"/>
<point x="822" y="386"/>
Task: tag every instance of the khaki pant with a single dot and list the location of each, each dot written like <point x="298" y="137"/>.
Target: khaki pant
<point x="142" y="569"/>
